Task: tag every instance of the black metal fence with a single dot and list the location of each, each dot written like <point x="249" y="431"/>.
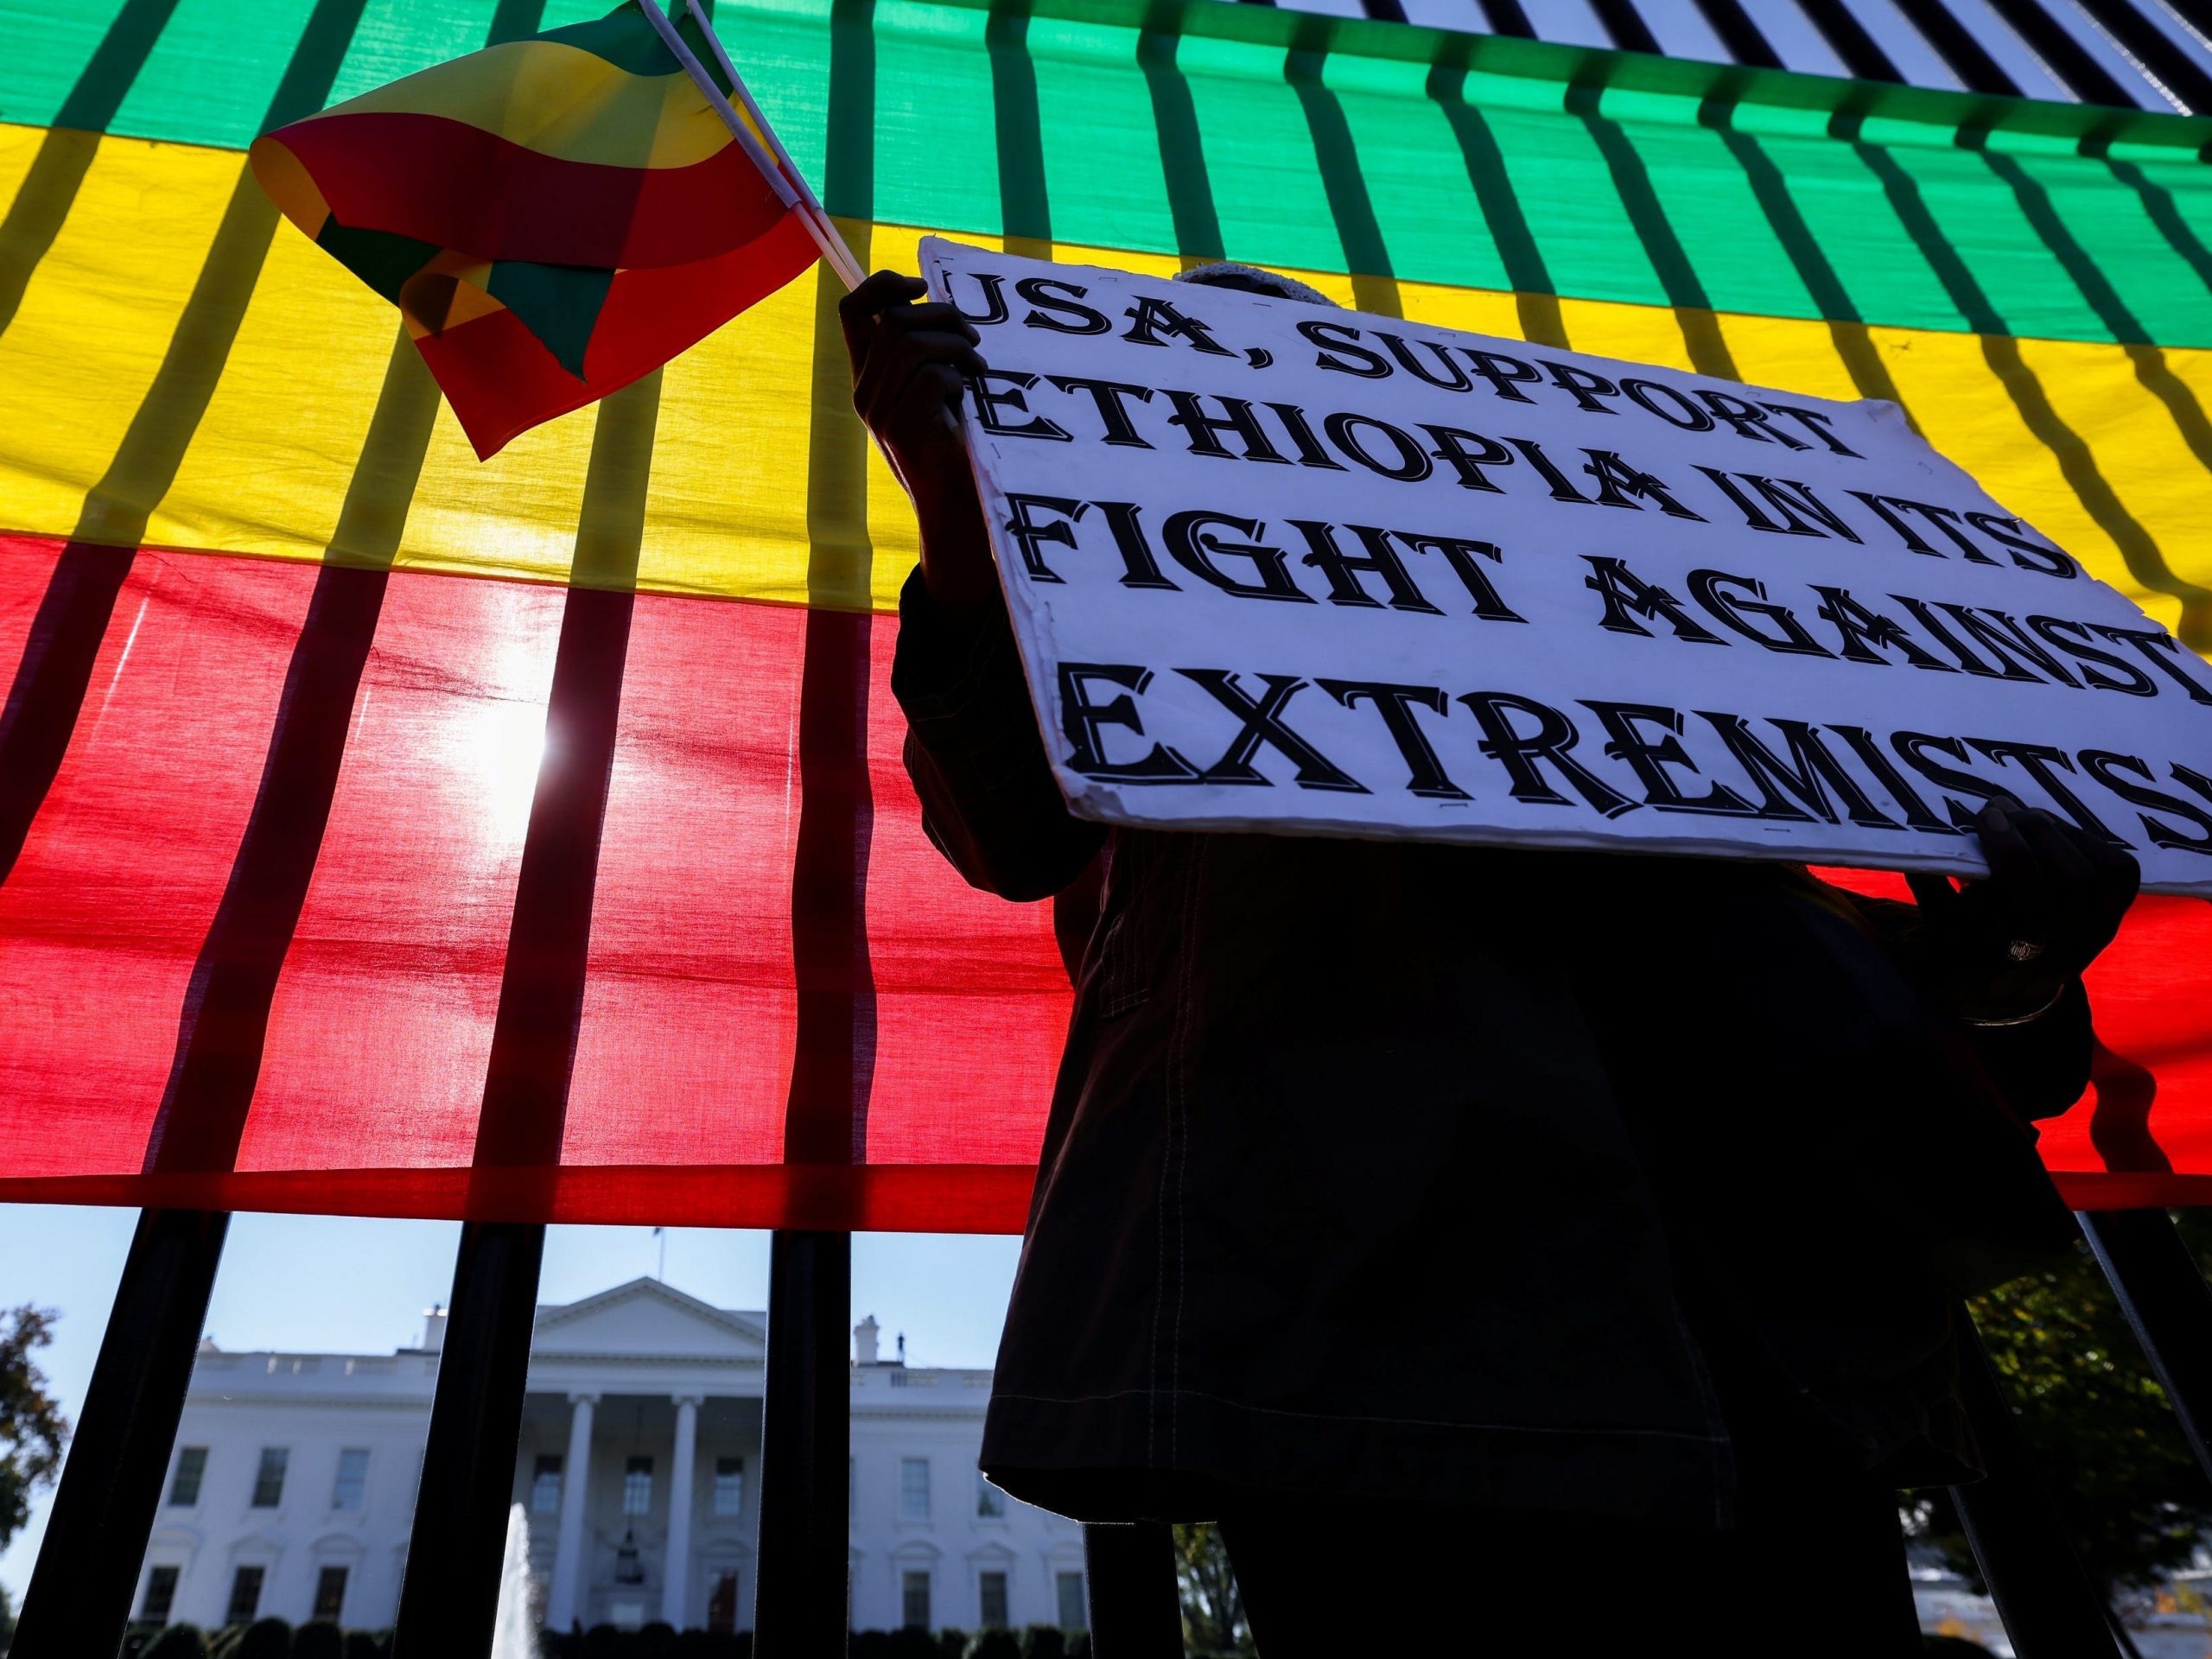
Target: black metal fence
<point x="83" y="1585"/>
<point x="2149" y="55"/>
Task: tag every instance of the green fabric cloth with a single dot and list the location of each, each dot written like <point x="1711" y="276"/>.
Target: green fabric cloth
<point x="1291" y="139"/>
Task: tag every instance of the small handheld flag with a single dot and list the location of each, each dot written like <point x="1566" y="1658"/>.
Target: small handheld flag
<point x="555" y="216"/>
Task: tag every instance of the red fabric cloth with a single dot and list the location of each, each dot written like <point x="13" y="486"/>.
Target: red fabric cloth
<point x="299" y="921"/>
<point x="355" y="1077"/>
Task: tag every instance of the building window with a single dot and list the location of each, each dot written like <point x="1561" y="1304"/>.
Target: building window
<point x="545" y="1485"/>
<point x="914" y="1489"/>
<point x="353" y="1478"/>
<point x="914" y="1600"/>
<point x="191" y="1465"/>
<point x="638" y="1486"/>
<point x="330" y="1593"/>
<point x="245" y="1596"/>
<point x="1071" y="1613"/>
<point x="990" y="1502"/>
<point x="729" y="1485"/>
<point x="721" y="1605"/>
<point x="993" y="1599"/>
<point x="269" y="1481"/>
<point x="160" y="1595"/>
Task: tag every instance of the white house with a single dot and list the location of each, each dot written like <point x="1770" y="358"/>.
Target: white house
<point x="293" y="1480"/>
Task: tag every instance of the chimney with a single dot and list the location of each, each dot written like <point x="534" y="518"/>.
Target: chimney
<point x="434" y="1329"/>
<point x="864" y="1341"/>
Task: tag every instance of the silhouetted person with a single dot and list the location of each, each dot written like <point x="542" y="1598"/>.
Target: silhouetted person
<point x="1534" y="1253"/>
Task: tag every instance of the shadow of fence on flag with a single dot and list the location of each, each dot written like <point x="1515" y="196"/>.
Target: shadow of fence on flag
<point x="50" y="681"/>
<point x="43" y="200"/>
<point x="84" y="1584"/>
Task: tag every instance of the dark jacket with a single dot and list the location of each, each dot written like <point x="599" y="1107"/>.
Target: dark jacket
<point x="1421" y="1170"/>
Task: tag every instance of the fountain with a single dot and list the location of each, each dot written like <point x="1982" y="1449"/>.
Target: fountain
<point x="514" y="1632"/>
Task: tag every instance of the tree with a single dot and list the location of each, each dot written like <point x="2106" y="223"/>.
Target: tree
<point x="1213" y="1612"/>
<point x="32" y="1428"/>
<point x="2134" y="1501"/>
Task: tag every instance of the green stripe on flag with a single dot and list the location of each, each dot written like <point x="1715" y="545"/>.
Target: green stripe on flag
<point x="1290" y="139"/>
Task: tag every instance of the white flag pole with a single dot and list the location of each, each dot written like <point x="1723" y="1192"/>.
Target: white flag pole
<point x="768" y="131"/>
<point x="810" y="210"/>
<point x="783" y="175"/>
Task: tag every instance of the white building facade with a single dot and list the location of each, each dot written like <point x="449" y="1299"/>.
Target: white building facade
<point x="293" y="1482"/>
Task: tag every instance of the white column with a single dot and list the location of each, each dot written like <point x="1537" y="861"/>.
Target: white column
<point x="676" y="1599"/>
<point x="562" y="1603"/>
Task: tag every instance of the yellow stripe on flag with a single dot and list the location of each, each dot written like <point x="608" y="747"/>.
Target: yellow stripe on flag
<point x="561" y="101"/>
<point x="316" y="433"/>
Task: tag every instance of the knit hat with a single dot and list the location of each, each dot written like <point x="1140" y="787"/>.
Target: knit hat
<point x="1227" y="273"/>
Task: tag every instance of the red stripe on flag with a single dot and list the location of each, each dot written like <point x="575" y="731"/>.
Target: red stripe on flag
<point x="2142" y="1135"/>
<point x="501" y="381"/>
<point x="894" y="1198"/>
<point x="377" y="1037"/>
<point x="123" y="869"/>
<point x="948" y="993"/>
<point x="456" y="186"/>
<point x="702" y="825"/>
<point x="379" y="1033"/>
<point x="56" y="626"/>
<point x="224" y="1021"/>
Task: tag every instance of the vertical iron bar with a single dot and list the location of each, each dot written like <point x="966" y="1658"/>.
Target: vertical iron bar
<point x="87" y="1569"/>
<point x="2050" y="1607"/>
<point x="2164" y="1294"/>
<point x="800" y="1606"/>
<point x="1130" y="1583"/>
<point x="449" y="1596"/>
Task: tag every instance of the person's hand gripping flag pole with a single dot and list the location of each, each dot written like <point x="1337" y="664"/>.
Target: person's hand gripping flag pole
<point x="555" y="216"/>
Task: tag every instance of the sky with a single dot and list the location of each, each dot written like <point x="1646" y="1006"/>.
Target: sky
<point x="333" y="1284"/>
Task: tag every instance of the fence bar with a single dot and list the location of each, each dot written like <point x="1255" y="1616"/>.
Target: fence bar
<point x="1130" y="1578"/>
<point x="2164" y="1294"/>
<point x="800" y="1606"/>
<point x="87" y="1570"/>
<point x="2050" y="1607"/>
<point x="450" y="1594"/>
<point x="1964" y="56"/>
<point x="2151" y="53"/>
<point x="2062" y="54"/>
<point x="1848" y="37"/>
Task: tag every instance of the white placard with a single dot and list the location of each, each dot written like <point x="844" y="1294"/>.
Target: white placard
<point x="1275" y="567"/>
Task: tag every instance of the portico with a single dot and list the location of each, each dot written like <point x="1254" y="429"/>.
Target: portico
<point x="640" y="1459"/>
<point x="638" y="1471"/>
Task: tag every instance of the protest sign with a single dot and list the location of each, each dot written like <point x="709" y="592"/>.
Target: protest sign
<point x="1281" y="568"/>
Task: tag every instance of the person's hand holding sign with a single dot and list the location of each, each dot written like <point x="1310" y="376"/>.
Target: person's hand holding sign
<point x="909" y="358"/>
<point x="2004" y="948"/>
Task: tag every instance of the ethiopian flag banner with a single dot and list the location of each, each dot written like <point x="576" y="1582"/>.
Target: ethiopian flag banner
<point x="385" y="831"/>
<point x="555" y="217"/>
